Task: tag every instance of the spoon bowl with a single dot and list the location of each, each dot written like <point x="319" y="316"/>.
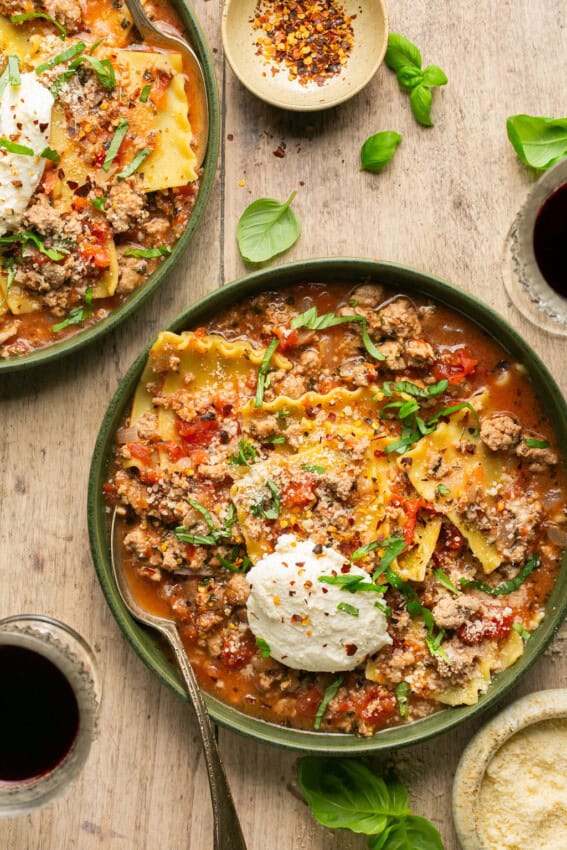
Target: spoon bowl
<point x="227" y="830"/>
<point x="191" y="65"/>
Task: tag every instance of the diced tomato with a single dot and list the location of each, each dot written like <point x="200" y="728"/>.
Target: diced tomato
<point x="109" y="488"/>
<point x="237" y="650"/>
<point x="141" y="451"/>
<point x="495" y="628"/>
<point x="309" y="701"/>
<point x="174" y="450"/>
<point x="299" y="494"/>
<point x="456" y="366"/>
<point x="49" y="180"/>
<point x="200" y="332"/>
<point x="99" y="158"/>
<point x="200" y="432"/>
<point x="412" y="508"/>
<point x="377" y="706"/>
<point x="288" y="338"/>
<point x="96" y="252"/>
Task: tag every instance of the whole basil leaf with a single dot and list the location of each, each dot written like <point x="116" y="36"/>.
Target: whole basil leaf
<point x="345" y="794"/>
<point x="539" y="142"/>
<point x="434" y="76"/>
<point x="420" y="101"/>
<point x="401" y="52"/>
<point x="378" y="150"/>
<point x="409" y="77"/>
<point x="409" y="833"/>
<point x="266" y="228"/>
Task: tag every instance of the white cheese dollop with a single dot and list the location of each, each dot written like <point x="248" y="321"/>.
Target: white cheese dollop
<point x="25" y="118"/>
<point x="297" y="615"/>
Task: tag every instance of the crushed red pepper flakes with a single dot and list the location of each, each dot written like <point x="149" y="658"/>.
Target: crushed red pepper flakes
<point x="311" y="39"/>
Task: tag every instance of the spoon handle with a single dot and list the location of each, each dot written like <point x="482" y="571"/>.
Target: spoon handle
<point x="227" y="830"/>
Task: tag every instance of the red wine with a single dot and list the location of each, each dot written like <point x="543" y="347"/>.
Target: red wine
<point x="39" y="715"/>
<point x="550" y="240"/>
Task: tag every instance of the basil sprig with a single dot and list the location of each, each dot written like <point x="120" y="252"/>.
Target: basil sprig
<point x="378" y="150"/>
<point x="266" y="228"/>
<point x="77" y="315"/>
<point x="216" y="534"/>
<point x="345" y="794"/>
<point x="30" y="16"/>
<point x="404" y="58"/>
<point x="507" y="586"/>
<point x="539" y="142"/>
<point x="324" y="704"/>
<point x="313" y="321"/>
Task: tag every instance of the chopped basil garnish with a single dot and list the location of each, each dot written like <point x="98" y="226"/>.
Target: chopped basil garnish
<point x="104" y="70"/>
<point x="348" y="609"/>
<point x="145" y="93"/>
<point x="411" y="434"/>
<point x="30" y="16"/>
<point x="247" y="454"/>
<point x="444" y="579"/>
<point x="215" y="535"/>
<point x="117" y="139"/>
<point x="353" y="583"/>
<point x="277" y="439"/>
<point x="383" y="608"/>
<point x="521" y="631"/>
<point x="454" y="408"/>
<point x="147" y="253"/>
<point x="313" y="321"/>
<point x="270" y="509"/>
<point x="536" y="444"/>
<point x="434" y="638"/>
<point x="237" y="562"/>
<point x="263" y="372"/>
<point x="264" y="647"/>
<point x="312" y="467"/>
<point x="77" y="315"/>
<point x="70" y="53"/>
<point x="135" y="164"/>
<point x="507" y="586"/>
<point x="409" y="388"/>
<point x="99" y="204"/>
<point x="14" y="147"/>
<point x="330" y="692"/>
<point x="10" y="264"/>
<point x="50" y="154"/>
<point x="442" y="490"/>
<point x="26" y="236"/>
<point x="402" y="692"/>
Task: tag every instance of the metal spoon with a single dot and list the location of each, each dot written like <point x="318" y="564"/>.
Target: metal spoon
<point x="227" y="831"/>
<point x="192" y="66"/>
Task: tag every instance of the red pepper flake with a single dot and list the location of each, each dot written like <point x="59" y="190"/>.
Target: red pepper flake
<point x="280" y="151"/>
<point x="311" y="40"/>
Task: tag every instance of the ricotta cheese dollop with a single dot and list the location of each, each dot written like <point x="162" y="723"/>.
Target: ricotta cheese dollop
<point x="25" y="118"/>
<point x="298" y="616"/>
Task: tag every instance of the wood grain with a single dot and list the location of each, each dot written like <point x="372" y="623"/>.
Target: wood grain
<point x="443" y="205"/>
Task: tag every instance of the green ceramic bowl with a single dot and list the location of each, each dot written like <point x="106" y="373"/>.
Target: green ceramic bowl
<point x="53" y="352"/>
<point x="324" y="270"/>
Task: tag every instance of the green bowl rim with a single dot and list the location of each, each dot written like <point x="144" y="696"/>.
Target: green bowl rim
<point x="327" y="269"/>
<point x="82" y="338"/>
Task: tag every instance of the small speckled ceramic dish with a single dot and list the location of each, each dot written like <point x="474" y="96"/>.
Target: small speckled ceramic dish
<point x="370" y="26"/>
<point x="467" y="797"/>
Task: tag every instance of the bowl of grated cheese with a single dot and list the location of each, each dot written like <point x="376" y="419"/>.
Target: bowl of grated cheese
<point x="510" y="788"/>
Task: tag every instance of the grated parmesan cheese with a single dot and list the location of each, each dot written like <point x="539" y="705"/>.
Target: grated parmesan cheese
<point x="523" y="796"/>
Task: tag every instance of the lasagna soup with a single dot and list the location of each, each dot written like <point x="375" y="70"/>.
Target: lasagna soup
<point x="97" y="165"/>
<point x="350" y="501"/>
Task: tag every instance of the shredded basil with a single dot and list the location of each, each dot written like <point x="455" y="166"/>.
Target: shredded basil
<point x="348" y="609"/>
<point x="30" y="16"/>
<point x="264" y="647"/>
<point x="312" y="467"/>
<point x="434" y="638"/>
<point x="117" y="139"/>
<point x="145" y="93"/>
<point x="444" y="579"/>
<point x="135" y="164"/>
<point x="402" y="692"/>
<point x="518" y="627"/>
<point x="442" y="490"/>
<point x="99" y="204"/>
<point x="271" y="509"/>
<point x="330" y="692"/>
<point x="26" y="236"/>
<point x="50" y="154"/>
<point x="70" y="53"/>
<point x="77" y="315"/>
<point x="14" y="71"/>
<point x="14" y="147"/>
<point x="147" y="253"/>
<point x="215" y="535"/>
<point x="353" y="583"/>
<point x="247" y="454"/>
<point x="507" y="586"/>
<point x="263" y="372"/>
<point x="236" y="562"/>
<point x="536" y="444"/>
<point x="383" y="608"/>
<point x="409" y="388"/>
<point x="313" y="321"/>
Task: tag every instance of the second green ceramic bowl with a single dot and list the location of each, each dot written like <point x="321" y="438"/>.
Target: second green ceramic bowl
<point x="330" y="270"/>
<point x="196" y="38"/>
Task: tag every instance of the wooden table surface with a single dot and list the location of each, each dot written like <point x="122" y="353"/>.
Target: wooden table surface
<point x="443" y="205"/>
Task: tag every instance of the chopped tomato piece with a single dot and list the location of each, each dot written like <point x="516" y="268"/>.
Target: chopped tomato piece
<point x="174" y="450"/>
<point x="299" y="494"/>
<point x="288" y="338"/>
<point x="96" y="252"/>
<point x="456" y="366"/>
<point x="377" y="706"/>
<point x="412" y="508"/>
<point x="141" y="451"/>
<point x="495" y="628"/>
<point x="199" y="432"/>
<point x="49" y="180"/>
<point x="309" y="701"/>
<point x="237" y="650"/>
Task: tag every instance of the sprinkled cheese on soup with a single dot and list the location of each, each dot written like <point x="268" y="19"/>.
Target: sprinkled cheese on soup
<point x="308" y="622"/>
